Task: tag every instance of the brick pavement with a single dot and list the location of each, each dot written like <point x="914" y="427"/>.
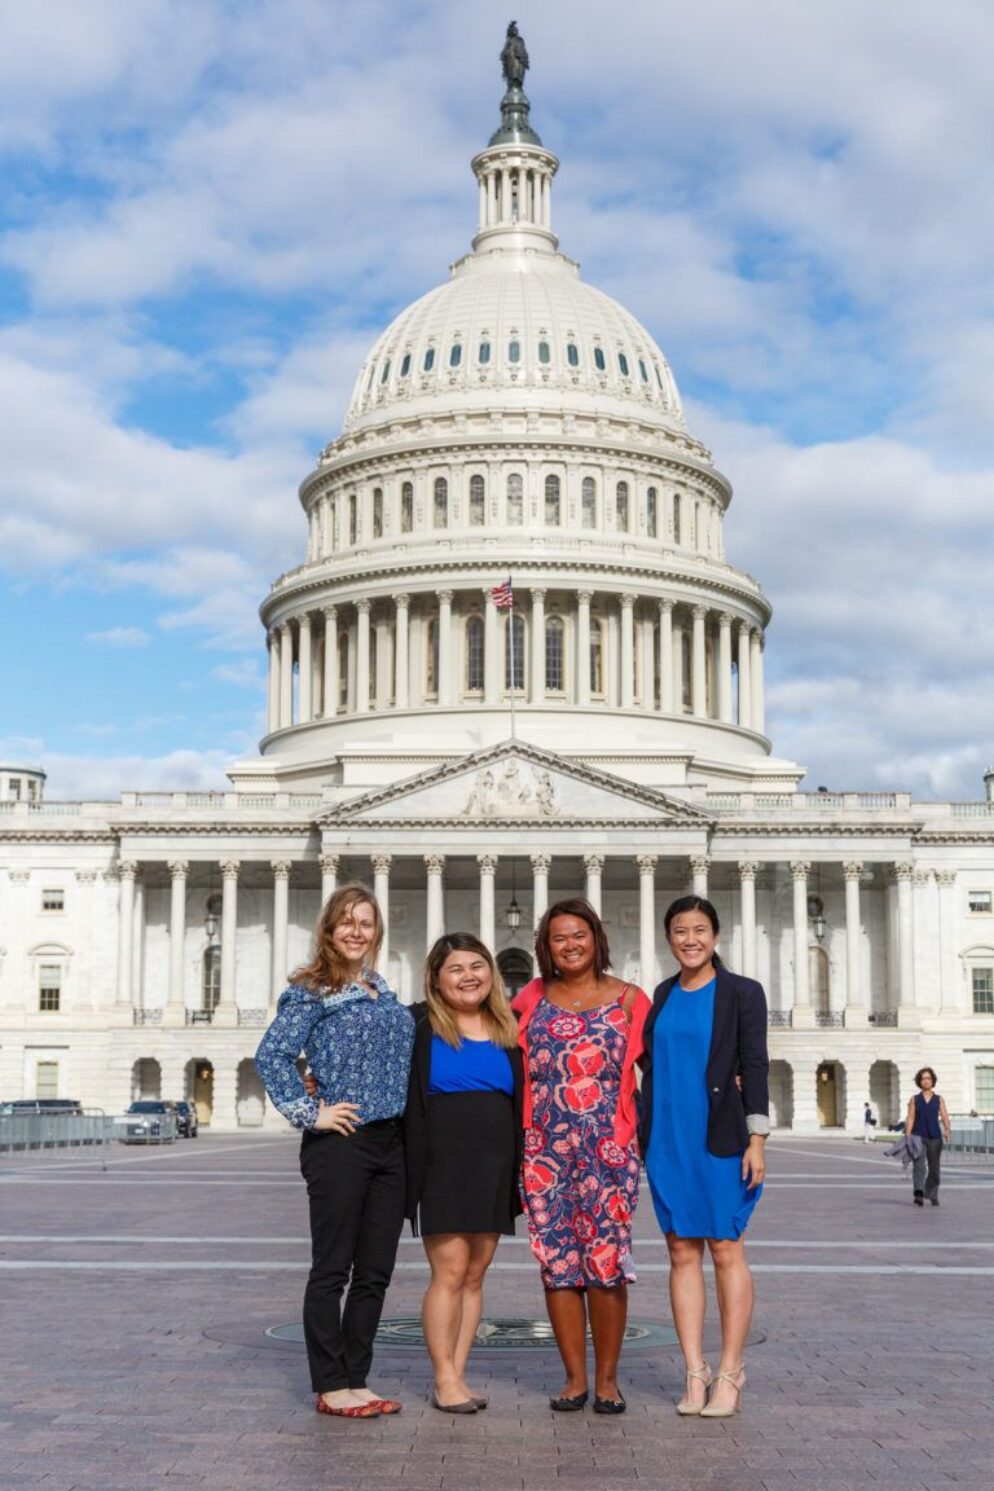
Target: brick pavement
<point x="134" y="1374"/>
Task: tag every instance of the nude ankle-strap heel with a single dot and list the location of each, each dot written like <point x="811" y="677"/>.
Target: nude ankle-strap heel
<point x="703" y="1374"/>
<point x="710" y="1412"/>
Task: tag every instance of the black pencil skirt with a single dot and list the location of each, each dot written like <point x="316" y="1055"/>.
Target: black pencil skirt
<point x="470" y="1184"/>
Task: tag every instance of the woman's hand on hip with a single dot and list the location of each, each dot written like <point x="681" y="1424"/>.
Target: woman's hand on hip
<point x="754" y="1162"/>
<point x="340" y="1118"/>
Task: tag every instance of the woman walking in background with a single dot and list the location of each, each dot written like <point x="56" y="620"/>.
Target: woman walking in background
<point x="357" y="1039"/>
<point x="462" y="1139"/>
<point x="581" y="1031"/>
<point x="705" y="1117"/>
<point x="927" y="1117"/>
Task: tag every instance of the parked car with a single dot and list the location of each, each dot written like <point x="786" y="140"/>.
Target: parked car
<point x="71" y="1106"/>
<point x="186" y="1119"/>
<point x="150" y="1121"/>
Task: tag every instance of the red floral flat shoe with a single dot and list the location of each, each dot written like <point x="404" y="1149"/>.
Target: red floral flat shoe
<point x="365" y="1411"/>
<point x="386" y="1405"/>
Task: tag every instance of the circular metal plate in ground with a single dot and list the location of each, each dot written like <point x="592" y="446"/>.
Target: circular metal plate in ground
<point x="503" y="1333"/>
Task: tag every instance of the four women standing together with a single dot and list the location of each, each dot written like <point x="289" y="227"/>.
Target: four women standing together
<point x="459" y="1115"/>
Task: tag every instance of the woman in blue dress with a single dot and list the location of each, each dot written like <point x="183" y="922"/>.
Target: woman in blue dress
<point x="705" y="1117"/>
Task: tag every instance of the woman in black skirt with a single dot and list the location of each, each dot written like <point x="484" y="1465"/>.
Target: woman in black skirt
<point x="462" y="1139"/>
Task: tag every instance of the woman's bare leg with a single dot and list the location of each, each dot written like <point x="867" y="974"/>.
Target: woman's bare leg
<point x="733" y="1283"/>
<point x="482" y="1247"/>
<point x="441" y="1312"/>
<point x="608" y="1318"/>
<point x="568" y="1318"/>
<point x="688" y="1301"/>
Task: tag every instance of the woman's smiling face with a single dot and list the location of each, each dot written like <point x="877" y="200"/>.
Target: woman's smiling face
<point x="465" y="981"/>
<point x="693" y="940"/>
<point x="355" y="934"/>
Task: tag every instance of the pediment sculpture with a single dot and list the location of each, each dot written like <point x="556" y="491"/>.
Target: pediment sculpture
<point x="514" y="790"/>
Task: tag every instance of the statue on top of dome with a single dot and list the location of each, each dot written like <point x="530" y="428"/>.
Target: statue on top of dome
<point x="514" y="57"/>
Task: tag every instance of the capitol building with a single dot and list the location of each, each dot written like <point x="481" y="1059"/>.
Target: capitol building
<point x="606" y="734"/>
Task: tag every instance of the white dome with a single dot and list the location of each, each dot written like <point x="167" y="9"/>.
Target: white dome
<point x="516" y="324"/>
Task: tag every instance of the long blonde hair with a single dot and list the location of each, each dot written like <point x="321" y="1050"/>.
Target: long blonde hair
<point x="498" y="1017"/>
<point x="327" y="968"/>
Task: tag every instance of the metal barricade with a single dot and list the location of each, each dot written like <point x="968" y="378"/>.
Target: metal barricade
<point x="145" y="1128"/>
<point x="971" y="1139"/>
<point x="87" y="1134"/>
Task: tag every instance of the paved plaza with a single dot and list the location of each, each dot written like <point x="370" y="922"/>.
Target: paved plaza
<point x="134" y="1355"/>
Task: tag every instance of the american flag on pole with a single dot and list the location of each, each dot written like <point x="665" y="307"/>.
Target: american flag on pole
<point x="503" y="595"/>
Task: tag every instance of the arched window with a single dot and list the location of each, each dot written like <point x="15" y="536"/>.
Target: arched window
<point x="477" y="501"/>
<point x="599" y="360"/>
<point x="474" y="654"/>
<point x="544" y="354"/>
<point x="514" y="652"/>
<point x="572" y="354"/>
<point x="441" y="507"/>
<point x="353" y="518"/>
<point x="343" y="670"/>
<point x="643" y="370"/>
<point x="407" y="507"/>
<point x="405" y="366"/>
<point x="386" y="371"/>
<point x="659" y="377"/>
<point x="553" y="504"/>
<point x="431" y="657"/>
<point x="377" y="512"/>
<point x="515" y="501"/>
<point x="210" y="978"/>
<point x="429" y="361"/>
<point x="596" y="657"/>
<point x="455" y="354"/>
<point x="623" y="364"/>
<point x="555" y="676"/>
<point x="652" y="512"/>
<point x="484" y="353"/>
<point x="514" y="352"/>
<point x="588" y="503"/>
<point x="677" y="523"/>
<point x="622" y="506"/>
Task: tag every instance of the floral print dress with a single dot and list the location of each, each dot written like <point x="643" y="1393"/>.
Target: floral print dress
<point x="579" y="1185"/>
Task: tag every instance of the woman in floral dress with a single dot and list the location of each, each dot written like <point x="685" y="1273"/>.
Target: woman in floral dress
<point x="581" y="1032"/>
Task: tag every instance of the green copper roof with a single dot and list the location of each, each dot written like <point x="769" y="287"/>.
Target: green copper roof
<point x="514" y="126"/>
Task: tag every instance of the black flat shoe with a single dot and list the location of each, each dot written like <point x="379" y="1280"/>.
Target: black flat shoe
<point x="919" y="1199"/>
<point x="610" y="1405"/>
<point x="569" y="1405"/>
<point x="935" y="1200"/>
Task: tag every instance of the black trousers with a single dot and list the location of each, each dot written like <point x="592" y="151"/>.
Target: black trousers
<point x="355" y="1189"/>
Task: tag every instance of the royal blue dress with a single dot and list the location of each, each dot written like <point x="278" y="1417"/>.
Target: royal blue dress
<point x="695" y="1193"/>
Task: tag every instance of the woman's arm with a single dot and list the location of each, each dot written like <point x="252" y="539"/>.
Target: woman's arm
<point x="944" y="1119"/>
<point x="297" y="1013"/>
<point x="909" y="1121"/>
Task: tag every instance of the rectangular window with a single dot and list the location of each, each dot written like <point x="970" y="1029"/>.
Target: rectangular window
<point x="983" y="1089"/>
<point x="49" y="987"/>
<point x="47" y="1079"/>
<point x="982" y="980"/>
<point x="15" y="789"/>
<point x="979" y="902"/>
<point x="53" y="899"/>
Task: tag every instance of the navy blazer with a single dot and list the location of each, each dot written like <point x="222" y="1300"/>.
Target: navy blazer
<point x="738" y="1049"/>
<point x="415" y="1119"/>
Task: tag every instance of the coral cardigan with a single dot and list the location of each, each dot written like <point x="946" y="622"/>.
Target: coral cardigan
<point x="626" y="1113"/>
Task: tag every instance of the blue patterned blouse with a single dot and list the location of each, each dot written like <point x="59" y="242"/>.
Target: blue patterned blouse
<point x="358" y="1048"/>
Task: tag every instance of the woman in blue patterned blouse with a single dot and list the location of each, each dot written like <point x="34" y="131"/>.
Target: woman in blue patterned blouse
<point x="357" y="1038"/>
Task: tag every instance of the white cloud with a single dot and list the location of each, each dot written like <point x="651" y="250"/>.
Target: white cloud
<point x="121" y="636"/>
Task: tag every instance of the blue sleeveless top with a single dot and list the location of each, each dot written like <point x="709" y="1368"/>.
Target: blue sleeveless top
<point x="926" y="1117"/>
<point x="474" y="1066"/>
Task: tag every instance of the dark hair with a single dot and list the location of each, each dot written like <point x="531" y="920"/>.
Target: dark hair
<point x="691" y="903"/>
<point x="921" y="1072"/>
<point x="573" y="906"/>
<point x="497" y="1015"/>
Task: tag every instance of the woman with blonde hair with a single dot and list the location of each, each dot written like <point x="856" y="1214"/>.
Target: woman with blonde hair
<point x="357" y="1038"/>
<point x="463" y="1146"/>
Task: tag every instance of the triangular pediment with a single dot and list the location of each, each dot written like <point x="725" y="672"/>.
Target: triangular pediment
<point x="516" y="783"/>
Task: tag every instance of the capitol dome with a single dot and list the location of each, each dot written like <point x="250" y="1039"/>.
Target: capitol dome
<point x="516" y="423"/>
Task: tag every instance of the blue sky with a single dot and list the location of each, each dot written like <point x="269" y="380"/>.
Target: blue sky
<point x="210" y="208"/>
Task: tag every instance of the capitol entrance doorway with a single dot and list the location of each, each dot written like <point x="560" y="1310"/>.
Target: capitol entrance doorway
<point x="830" y="1094"/>
<point x="515" y="969"/>
<point x="200" y="1085"/>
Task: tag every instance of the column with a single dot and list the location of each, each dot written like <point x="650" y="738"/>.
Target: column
<point x="488" y="919"/>
<point x="362" y="657"/>
<point x="138" y="949"/>
<point x="281" y="920"/>
<point x="647" y="920"/>
<point x="699" y="866"/>
<point x="948" y="961"/>
<point x="904" y="875"/>
<point x="725" y="667"/>
<point x="329" y="876"/>
<point x="491" y="651"/>
<point x="505" y="194"/>
<point x="522" y="206"/>
<point x="536" y="206"/>
<point x="594" y="864"/>
<point x="745" y="676"/>
<point x="330" y="661"/>
<point x="225" y="1012"/>
<point x="679" y="705"/>
<point x="286" y="676"/>
<point x="491" y="180"/>
<point x="803" y="1014"/>
<point x="435" y="865"/>
<point x="698" y="653"/>
<point x="381" y="890"/>
<point x="401" y="687"/>
<point x="646" y="632"/>
<point x="756" y="680"/>
<point x="747" y="895"/>
<point x="176" y="1001"/>
<point x="546" y="201"/>
<point x="537" y="692"/>
<point x="583" y="599"/>
<point x="445" y="647"/>
<point x="483" y="204"/>
<point x="541" y="865"/>
<point x="855" y="1006"/>
<point x="127" y="869"/>
<point x="627" y="651"/>
<point x="666" y="702"/>
<point x="273" y="702"/>
<point x="306" y="665"/>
